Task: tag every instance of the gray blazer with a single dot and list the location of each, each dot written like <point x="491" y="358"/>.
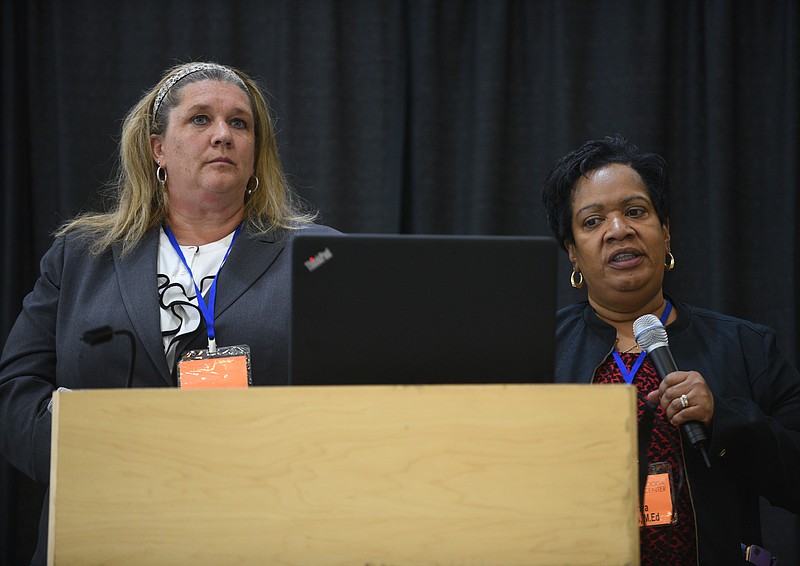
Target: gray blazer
<point x="77" y="292"/>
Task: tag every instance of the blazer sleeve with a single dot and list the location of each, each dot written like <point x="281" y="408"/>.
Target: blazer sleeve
<point x="28" y="373"/>
<point x="761" y="431"/>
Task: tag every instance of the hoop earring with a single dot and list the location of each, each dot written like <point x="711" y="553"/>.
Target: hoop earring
<point x="579" y="283"/>
<point x="250" y="191"/>
<point x="669" y="262"/>
<point x="161" y="176"/>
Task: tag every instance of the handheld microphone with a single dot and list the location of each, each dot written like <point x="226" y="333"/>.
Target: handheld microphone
<point x="652" y="337"/>
<point x="106" y="333"/>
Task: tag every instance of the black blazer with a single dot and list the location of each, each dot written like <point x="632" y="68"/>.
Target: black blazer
<point x="78" y="291"/>
<point x="754" y="442"/>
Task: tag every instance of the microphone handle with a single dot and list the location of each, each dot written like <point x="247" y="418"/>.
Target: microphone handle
<point x="694" y="430"/>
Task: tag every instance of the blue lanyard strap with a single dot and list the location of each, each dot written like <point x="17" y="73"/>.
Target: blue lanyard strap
<point x="207" y="309"/>
<point x="629" y="375"/>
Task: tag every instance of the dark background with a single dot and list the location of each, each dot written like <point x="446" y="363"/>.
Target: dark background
<point x="414" y="116"/>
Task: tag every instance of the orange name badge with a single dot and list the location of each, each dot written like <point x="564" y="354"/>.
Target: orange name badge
<point x="658" y="506"/>
<point x="228" y="368"/>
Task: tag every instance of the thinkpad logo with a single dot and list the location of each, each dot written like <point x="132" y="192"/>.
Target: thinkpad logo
<point x="315" y="261"/>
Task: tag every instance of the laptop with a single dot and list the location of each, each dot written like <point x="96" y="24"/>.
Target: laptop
<point x="421" y="309"/>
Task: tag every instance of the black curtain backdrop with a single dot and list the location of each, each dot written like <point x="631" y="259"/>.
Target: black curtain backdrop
<point x="415" y="116"/>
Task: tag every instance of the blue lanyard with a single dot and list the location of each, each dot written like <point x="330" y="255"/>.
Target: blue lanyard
<point x="629" y="375"/>
<point x="206" y="309"/>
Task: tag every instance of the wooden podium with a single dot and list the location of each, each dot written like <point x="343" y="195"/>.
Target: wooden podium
<point x="385" y="475"/>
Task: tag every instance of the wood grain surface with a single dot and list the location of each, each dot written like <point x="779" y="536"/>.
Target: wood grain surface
<point x="461" y="475"/>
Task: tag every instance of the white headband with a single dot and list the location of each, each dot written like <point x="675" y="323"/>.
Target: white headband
<point x="164" y="90"/>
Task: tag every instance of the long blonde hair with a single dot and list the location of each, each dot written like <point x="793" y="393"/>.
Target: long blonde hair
<point x="139" y="204"/>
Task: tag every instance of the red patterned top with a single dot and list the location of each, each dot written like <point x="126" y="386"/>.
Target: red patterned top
<point x="666" y="544"/>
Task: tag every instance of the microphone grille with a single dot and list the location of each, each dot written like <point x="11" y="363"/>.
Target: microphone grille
<point x="648" y="331"/>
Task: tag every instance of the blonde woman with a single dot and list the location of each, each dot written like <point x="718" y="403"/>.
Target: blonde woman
<point x="191" y="258"/>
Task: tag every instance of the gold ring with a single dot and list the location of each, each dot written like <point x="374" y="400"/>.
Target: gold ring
<point x="684" y="401"/>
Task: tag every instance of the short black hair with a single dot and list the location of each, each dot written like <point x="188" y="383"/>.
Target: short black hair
<point x="559" y="185"/>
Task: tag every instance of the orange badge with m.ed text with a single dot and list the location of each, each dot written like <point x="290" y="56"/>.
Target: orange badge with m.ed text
<point x="658" y="507"/>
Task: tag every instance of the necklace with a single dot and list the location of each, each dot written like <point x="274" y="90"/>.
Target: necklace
<point x="628" y="351"/>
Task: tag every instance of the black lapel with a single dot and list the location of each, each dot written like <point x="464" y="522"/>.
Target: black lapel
<point x="137" y="277"/>
<point x="251" y="256"/>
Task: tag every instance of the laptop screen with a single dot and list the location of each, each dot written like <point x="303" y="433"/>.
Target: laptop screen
<point x="412" y="309"/>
